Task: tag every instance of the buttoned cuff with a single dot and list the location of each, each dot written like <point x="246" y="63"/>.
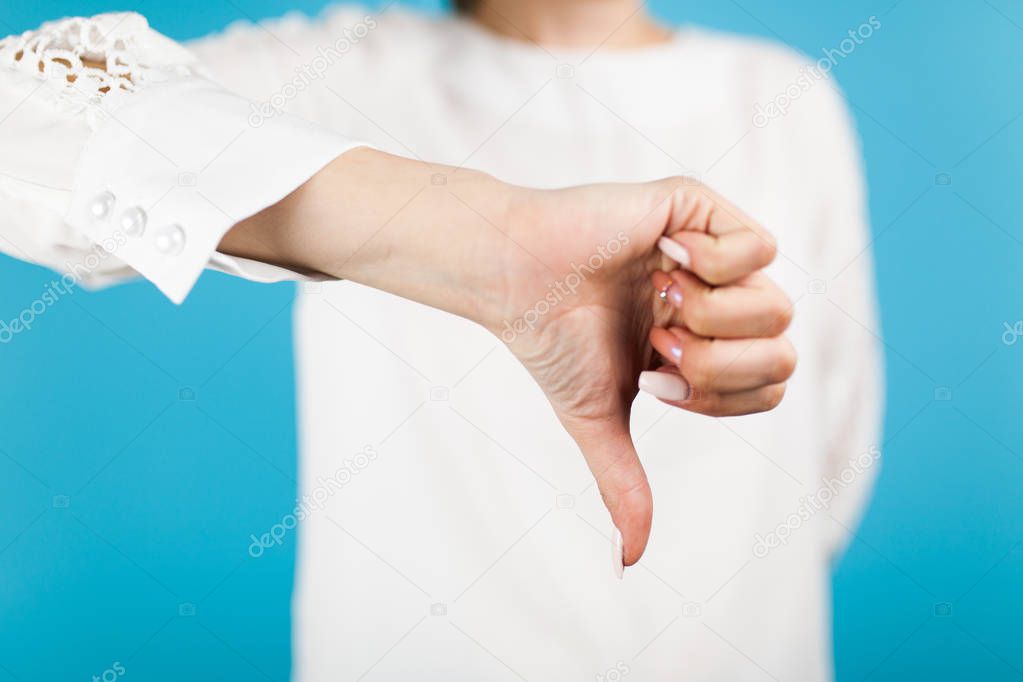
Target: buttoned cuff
<point x="176" y="165"/>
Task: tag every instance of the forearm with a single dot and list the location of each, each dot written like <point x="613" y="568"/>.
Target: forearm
<point x="392" y="224"/>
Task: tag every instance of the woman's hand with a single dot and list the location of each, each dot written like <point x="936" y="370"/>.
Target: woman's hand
<point x="611" y="257"/>
<point x="583" y="284"/>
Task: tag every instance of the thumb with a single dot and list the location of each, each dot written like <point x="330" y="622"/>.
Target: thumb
<point x="612" y="458"/>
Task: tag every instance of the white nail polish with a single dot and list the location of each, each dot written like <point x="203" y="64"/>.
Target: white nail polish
<point x="675" y="251"/>
<point x="664" y="385"/>
<point x="617" y="553"/>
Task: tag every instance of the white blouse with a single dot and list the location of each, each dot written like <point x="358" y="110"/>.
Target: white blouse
<point x="141" y="159"/>
<point x="449" y="528"/>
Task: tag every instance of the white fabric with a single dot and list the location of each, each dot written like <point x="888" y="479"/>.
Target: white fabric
<point x="152" y="133"/>
<point x="472" y="545"/>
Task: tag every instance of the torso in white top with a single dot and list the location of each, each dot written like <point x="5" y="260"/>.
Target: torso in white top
<point x="473" y="546"/>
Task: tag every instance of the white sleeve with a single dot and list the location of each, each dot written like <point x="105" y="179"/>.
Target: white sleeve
<point x="852" y="387"/>
<point x="140" y="167"/>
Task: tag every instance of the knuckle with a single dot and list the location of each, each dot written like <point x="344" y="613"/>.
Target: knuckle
<point x="690" y="181"/>
<point x="685" y="192"/>
<point x="781" y="312"/>
<point x="784" y="364"/>
<point x="699" y="375"/>
<point x="712" y="266"/>
<point x="626" y="490"/>
<point x="773" y="396"/>
<point x="767" y="251"/>
<point x="697" y="314"/>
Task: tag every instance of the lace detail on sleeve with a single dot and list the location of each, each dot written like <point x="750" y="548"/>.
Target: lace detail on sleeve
<point x="92" y="61"/>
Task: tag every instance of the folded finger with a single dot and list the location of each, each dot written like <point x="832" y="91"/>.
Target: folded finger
<point x="667" y="385"/>
<point x="736" y="404"/>
<point x="731" y="365"/>
<point x="754" y="307"/>
<point x="721" y="259"/>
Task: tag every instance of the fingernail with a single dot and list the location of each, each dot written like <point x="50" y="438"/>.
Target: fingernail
<point x="664" y="385"/>
<point x="675" y="251"/>
<point x="617" y="553"/>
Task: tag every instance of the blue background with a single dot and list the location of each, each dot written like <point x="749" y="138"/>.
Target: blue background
<point x="162" y="490"/>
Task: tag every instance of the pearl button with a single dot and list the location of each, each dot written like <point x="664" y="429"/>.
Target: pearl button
<point x="102" y="204"/>
<point x="133" y="221"/>
<point x="170" y="240"/>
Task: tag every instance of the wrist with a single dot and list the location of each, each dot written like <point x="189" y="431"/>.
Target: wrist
<point x="425" y="232"/>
